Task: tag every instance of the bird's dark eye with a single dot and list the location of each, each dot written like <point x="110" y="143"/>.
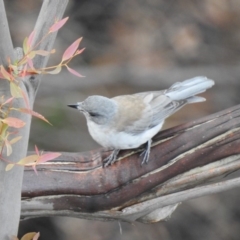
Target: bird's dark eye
<point x="94" y="114"/>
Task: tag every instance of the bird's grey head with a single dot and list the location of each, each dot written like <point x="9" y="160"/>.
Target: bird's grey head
<point x="98" y="109"/>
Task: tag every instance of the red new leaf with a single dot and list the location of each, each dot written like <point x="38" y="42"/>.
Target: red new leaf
<point x="36" y="150"/>
<point x="5" y="74"/>
<point x="30" y="63"/>
<point x="31" y="112"/>
<point x="8" y="101"/>
<point x="79" y="51"/>
<point x="47" y="157"/>
<point x="69" y="52"/>
<point x="13" y="122"/>
<point x="25" y="98"/>
<point x="30" y="39"/>
<point x="58" y="25"/>
<point x="74" y="72"/>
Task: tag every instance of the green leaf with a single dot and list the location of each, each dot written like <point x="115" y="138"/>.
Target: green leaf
<point x="14" y="140"/>
<point x="31" y="55"/>
<point x="9" y="147"/>
<point x="3" y="131"/>
<point x="29" y="160"/>
<point x="25" y="45"/>
<point x="56" y="70"/>
<point x="15" y="90"/>
<point x="9" y="167"/>
<point x="42" y="52"/>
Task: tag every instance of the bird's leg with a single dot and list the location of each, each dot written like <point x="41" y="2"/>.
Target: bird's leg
<point x="111" y="158"/>
<point x="146" y="152"/>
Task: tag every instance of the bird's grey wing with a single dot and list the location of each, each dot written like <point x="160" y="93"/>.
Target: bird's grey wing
<point x="158" y="107"/>
<point x="163" y="107"/>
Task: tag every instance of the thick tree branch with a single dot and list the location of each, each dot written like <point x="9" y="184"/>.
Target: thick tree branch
<point x="181" y="158"/>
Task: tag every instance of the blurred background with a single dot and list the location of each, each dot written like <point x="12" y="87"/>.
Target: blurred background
<point x="134" y="46"/>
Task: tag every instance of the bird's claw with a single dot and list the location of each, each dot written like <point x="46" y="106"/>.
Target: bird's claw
<point x="146" y="153"/>
<point x="111" y="158"/>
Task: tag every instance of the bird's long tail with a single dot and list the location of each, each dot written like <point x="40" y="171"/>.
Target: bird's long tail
<point x="189" y="88"/>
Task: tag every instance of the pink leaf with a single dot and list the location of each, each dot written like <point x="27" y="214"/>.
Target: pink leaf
<point x="8" y="101"/>
<point x="36" y="150"/>
<point x="5" y="74"/>
<point x="36" y="236"/>
<point x="13" y="68"/>
<point x="25" y="97"/>
<point x="30" y="63"/>
<point x="14" y="140"/>
<point x="58" y="25"/>
<point x="79" y="51"/>
<point x="34" y="169"/>
<point x="69" y="52"/>
<point x="74" y="72"/>
<point x="30" y="39"/>
<point x="35" y="114"/>
<point x="25" y="45"/>
<point x="47" y="157"/>
<point x="13" y="122"/>
<point x="24" y="71"/>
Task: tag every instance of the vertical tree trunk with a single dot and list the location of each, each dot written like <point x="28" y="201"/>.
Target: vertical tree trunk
<point x="11" y="182"/>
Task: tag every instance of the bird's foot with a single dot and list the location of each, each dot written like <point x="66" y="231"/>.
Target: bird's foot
<point x="146" y="152"/>
<point x="111" y="158"/>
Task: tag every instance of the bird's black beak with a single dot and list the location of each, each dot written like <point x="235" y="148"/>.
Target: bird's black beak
<point x="73" y="105"/>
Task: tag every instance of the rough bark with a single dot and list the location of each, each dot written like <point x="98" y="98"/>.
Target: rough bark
<point x="182" y="158"/>
<point x="11" y="182"/>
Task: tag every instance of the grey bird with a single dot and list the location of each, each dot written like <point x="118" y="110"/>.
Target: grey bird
<point x="129" y="121"/>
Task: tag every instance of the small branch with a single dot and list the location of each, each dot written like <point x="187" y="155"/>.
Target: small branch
<point x="181" y="158"/>
<point x="51" y="11"/>
<point x="6" y="46"/>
